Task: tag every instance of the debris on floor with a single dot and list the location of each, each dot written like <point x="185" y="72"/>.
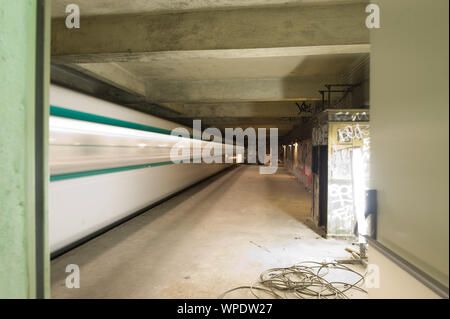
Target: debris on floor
<point x="306" y="280"/>
<point x="262" y="247"/>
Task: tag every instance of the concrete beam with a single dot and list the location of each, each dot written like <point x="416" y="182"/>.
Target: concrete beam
<point x="76" y="80"/>
<point x="114" y="75"/>
<point x="232" y="90"/>
<point x="282" y="130"/>
<point x="263" y="110"/>
<point x="104" y="7"/>
<point x="145" y="57"/>
<point x="288" y="121"/>
<point x="284" y="125"/>
<point x="250" y="28"/>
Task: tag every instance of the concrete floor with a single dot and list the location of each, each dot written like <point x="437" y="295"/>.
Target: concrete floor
<point x="213" y="237"/>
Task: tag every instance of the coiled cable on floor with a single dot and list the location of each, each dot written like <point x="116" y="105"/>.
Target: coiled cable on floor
<point x="305" y="280"/>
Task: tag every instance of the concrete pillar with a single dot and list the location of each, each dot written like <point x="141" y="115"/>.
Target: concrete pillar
<point x="24" y="78"/>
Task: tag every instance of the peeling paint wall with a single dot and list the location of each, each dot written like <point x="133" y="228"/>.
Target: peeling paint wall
<point x="17" y="197"/>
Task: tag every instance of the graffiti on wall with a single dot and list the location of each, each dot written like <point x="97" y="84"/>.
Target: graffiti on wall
<point x="348" y="171"/>
<point x="320" y="135"/>
<point x="349" y="133"/>
<point x="341" y="207"/>
<point x="341" y="162"/>
<point x="348" y="116"/>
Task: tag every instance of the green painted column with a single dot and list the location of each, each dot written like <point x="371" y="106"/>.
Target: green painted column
<point x="24" y="68"/>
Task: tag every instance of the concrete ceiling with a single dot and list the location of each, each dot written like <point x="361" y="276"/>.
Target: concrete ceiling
<point x="119" y="7"/>
<point x="231" y="68"/>
<point x="260" y="67"/>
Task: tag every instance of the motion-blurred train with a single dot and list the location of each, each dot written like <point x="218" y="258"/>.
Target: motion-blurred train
<point x="107" y="163"/>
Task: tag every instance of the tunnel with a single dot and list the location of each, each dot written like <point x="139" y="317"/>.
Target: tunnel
<point x="224" y="150"/>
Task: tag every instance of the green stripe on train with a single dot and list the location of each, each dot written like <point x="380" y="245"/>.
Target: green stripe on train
<point x="61" y="177"/>
<point x="89" y="117"/>
<point x="65" y="176"/>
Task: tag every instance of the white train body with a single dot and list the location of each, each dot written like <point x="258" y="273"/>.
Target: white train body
<point x="108" y="162"/>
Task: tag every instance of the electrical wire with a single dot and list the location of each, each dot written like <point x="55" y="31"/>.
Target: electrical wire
<point x="305" y="280"/>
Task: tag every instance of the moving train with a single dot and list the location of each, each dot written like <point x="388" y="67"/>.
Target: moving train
<point x="109" y="162"/>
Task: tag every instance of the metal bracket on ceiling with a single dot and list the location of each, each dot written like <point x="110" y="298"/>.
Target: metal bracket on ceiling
<point x="326" y="103"/>
<point x="341" y="88"/>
